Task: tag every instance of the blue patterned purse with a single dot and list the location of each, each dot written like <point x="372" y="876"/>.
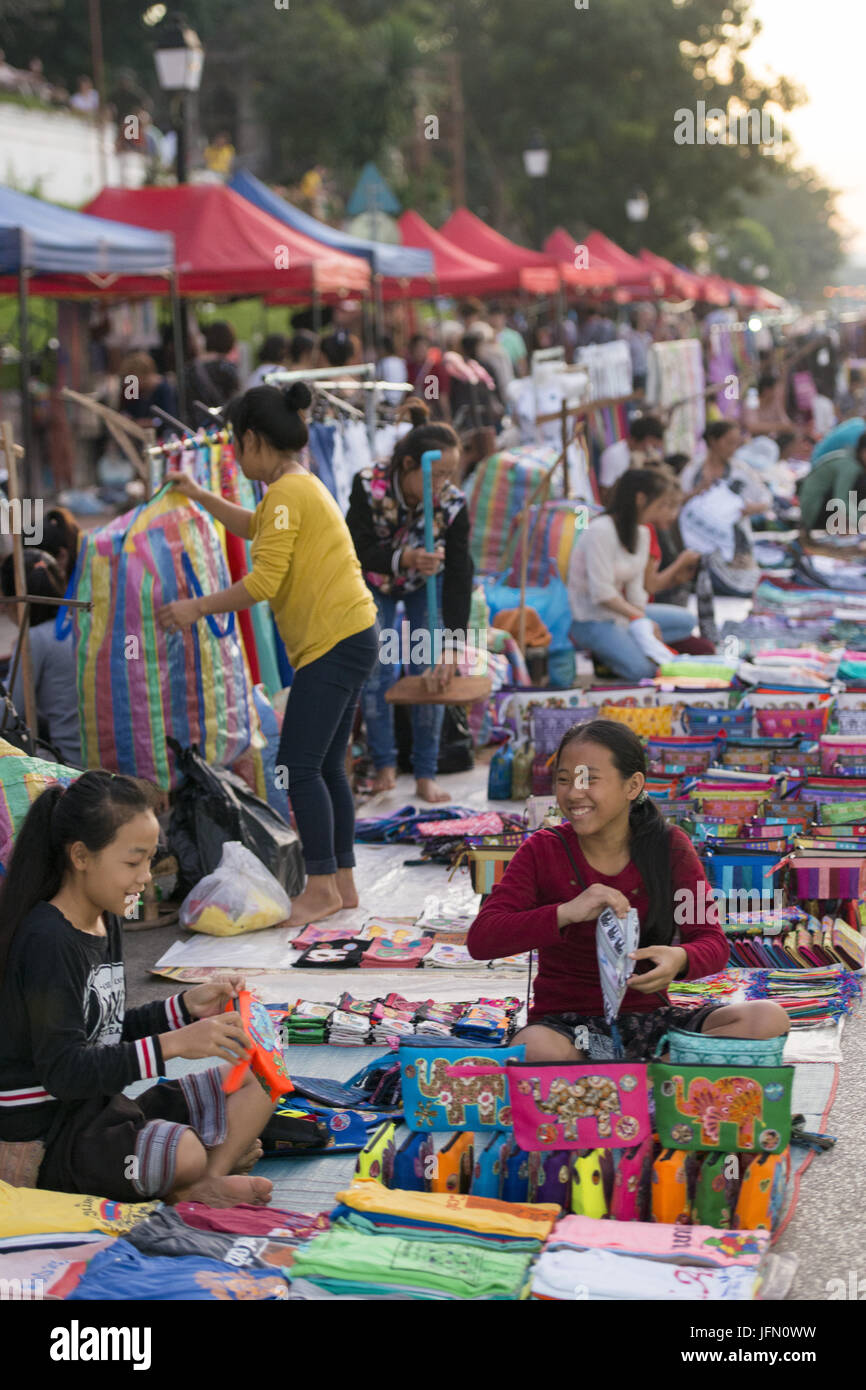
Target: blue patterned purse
<point x="436" y="1101"/>
<point x="703" y="1049"/>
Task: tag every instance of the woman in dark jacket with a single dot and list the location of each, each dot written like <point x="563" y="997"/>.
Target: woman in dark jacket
<point x="386" y="519"/>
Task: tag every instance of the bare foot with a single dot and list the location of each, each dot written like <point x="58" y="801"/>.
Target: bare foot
<point x="385" y="779"/>
<point x="346" y="888"/>
<point x="248" y="1161"/>
<point x="228" y="1192"/>
<point x="429" y="790"/>
<point x="320" y="898"/>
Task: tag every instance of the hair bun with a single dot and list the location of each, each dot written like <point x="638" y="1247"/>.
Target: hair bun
<point x="415" y="411"/>
<point x="298" y="396"/>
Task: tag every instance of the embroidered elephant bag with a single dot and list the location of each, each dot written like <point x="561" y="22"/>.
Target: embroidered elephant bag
<point x="439" y="1099"/>
<point x="732" y="1109"/>
<point x="598" y="1105"/>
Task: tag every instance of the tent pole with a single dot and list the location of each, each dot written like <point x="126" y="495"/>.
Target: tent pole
<point x="177" y="336"/>
<point x="20" y="582"/>
<point x="24" y="368"/>
<point x="317" y="312"/>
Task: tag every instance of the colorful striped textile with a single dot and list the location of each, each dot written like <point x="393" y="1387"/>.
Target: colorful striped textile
<point x="553" y="529"/>
<point x="139" y="685"/>
<point x="500" y="486"/>
<point x="22" y="779"/>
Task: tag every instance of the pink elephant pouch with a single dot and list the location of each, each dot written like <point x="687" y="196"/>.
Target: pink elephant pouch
<point x="734" y="1109"/>
<point x="631" y="1187"/>
<point x="599" y="1105"/>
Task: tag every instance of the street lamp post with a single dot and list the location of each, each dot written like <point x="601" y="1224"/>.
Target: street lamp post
<point x="536" y="162"/>
<point x="179" y="59"/>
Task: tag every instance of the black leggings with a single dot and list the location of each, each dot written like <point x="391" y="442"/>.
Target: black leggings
<point x="316" y="731"/>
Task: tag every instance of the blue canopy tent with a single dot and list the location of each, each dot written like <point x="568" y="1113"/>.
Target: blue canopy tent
<point x="42" y="244"/>
<point x="391" y="262"/>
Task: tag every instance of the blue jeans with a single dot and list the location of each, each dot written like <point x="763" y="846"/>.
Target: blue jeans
<point x="616" y="647"/>
<point x="315" y="735"/>
<point x="379" y="715"/>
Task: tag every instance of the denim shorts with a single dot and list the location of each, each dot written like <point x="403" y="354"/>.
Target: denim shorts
<point x="640" y="1032"/>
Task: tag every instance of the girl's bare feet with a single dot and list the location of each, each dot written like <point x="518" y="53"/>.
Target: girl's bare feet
<point x="232" y="1191"/>
<point x="247" y="1162"/>
<point x="320" y="898"/>
<point x="429" y="790"/>
<point x="385" y="779"/>
<point x="346" y="888"/>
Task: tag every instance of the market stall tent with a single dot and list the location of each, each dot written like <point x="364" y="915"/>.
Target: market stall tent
<point x="227" y="246"/>
<point x="634" y="277"/>
<point x="569" y="255"/>
<point x="529" y="270"/>
<point x="410" y="261"/>
<point x="455" y="271"/>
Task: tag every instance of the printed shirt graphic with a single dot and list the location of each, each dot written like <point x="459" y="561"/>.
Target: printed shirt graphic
<point x="105" y="1003"/>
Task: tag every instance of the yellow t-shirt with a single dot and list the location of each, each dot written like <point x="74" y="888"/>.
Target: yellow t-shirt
<point x="305" y="565"/>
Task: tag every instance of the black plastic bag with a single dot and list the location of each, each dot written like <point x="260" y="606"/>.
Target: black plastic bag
<point x="213" y="805"/>
<point x="456" y="753"/>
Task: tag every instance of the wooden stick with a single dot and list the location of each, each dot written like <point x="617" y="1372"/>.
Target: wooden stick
<point x="123" y="421"/>
<point x="50" y="602"/>
<point x="20" y="582"/>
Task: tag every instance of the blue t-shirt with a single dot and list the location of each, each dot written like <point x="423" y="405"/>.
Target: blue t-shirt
<point x="843" y="436"/>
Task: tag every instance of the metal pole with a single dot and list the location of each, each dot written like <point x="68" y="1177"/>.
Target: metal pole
<point x="177" y="337"/>
<point x="99" y="84"/>
<point x="20" y="581"/>
<point x="24" y="366"/>
<point x="181" y="130"/>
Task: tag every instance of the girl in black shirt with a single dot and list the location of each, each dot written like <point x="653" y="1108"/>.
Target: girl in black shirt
<point x="68" y="1044"/>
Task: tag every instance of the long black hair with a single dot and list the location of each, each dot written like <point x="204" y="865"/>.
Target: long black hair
<point x="422" y="437"/>
<point x="91" y="809"/>
<point x="273" y="414"/>
<point x="44" y="580"/>
<point x="622" y="506"/>
<point x="649" y="833"/>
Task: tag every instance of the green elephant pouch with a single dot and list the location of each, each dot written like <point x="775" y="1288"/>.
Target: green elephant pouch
<point x="436" y="1099"/>
<point x="722" y="1108"/>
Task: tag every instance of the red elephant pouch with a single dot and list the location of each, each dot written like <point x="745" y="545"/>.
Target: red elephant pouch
<point x="734" y="1109"/>
<point x="266" y="1061"/>
<point x="599" y="1105"/>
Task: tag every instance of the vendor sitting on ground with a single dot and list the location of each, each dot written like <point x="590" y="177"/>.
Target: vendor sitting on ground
<point x="305" y="565"/>
<point x="386" y="519"/>
<point x="824" y="493"/>
<point x="69" y="1046"/>
<point x="52" y="658"/>
<point x="606" y="578"/>
<point x="616" y="851"/>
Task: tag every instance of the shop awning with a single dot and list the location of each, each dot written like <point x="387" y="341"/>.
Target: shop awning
<point x="456" y="271"/>
<point x="48" y="240"/>
<point x="227" y="246"/>
<point x="570" y="255"/>
<point x="529" y="270"/>
<point x="407" y="261"/>
<point x="633" y="276"/>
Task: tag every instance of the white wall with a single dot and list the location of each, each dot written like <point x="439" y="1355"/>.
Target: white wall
<point x="55" y="154"/>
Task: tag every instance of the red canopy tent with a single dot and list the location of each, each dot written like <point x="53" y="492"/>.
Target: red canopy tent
<point x="683" y="284"/>
<point x="562" y="246"/>
<point x="456" y="271"/>
<point x="529" y="270"/>
<point x="633" y="276"/>
<point x="227" y="246"/>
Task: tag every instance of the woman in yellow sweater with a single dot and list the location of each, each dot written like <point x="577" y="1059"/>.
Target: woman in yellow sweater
<point x="305" y="565"/>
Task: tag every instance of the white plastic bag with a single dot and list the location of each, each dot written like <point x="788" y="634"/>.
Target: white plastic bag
<point x="241" y="895"/>
<point x="707" y="521"/>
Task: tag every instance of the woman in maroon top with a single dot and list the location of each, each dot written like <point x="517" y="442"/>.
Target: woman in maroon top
<point x="615" y="851"/>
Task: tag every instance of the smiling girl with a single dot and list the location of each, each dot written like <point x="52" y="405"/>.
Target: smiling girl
<point x="615" y="850"/>
<point x="69" y="1046"/>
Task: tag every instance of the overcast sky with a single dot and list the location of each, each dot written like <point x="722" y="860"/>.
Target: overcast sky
<point x="821" y="45"/>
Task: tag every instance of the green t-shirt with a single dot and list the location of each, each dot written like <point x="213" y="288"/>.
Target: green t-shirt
<point x="833" y="477"/>
<point x="514" y="345"/>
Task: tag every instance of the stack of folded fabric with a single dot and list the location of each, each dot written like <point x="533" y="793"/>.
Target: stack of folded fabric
<point x="487" y="1021"/>
<point x="586" y="1259"/>
<point x="348" y="1029"/>
<point x="422" y="1245"/>
<point x="307" y="1022"/>
<point x="447" y="956"/>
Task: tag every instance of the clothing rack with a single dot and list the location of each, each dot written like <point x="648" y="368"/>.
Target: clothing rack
<point x="362" y="376"/>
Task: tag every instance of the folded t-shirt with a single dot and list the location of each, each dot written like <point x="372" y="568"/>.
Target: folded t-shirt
<point x="122" y="1272"/>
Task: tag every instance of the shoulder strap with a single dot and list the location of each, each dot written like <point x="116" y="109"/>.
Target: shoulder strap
<point x="579" y="876"/>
